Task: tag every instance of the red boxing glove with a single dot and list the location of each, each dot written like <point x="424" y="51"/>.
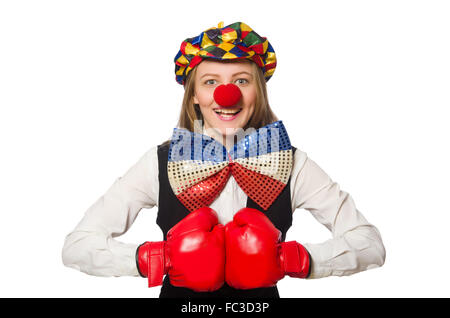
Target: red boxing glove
<point x="193" y="255"/>
<point x="255" y="257"/>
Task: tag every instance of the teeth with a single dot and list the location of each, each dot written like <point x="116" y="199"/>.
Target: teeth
<point x="227" y="111"/>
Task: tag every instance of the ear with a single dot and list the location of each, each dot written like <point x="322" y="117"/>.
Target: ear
<point x="195" y="99"/>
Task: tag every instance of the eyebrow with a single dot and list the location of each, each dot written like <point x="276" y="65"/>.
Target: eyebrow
<point x="212" y="74"/>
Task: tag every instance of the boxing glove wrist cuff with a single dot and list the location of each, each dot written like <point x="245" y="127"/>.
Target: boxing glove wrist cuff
<point x="141" y="260"/>
<point x="151" y="262"/>
<point x="295" y="259"/>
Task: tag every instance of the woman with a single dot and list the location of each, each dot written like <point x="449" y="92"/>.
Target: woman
<point x="226" y="185"/>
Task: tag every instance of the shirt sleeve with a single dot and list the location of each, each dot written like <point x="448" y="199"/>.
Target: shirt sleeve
<point x="91" y="247"/>
<point x="356" y="244"/>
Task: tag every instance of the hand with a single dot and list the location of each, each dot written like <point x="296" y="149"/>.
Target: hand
<point x="255" y="257"/>
<point x="193" y="255"/>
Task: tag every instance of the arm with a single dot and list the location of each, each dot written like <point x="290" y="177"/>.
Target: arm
<point x="356" y="244"/>
<point x="91" y="247"/>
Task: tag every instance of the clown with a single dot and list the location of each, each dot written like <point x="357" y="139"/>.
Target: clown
<point x="226" y="185"/>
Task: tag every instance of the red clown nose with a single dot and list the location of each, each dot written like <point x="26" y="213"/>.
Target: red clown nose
<point x="227" y="95"/>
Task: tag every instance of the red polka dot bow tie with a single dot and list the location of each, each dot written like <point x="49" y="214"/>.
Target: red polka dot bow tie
<point x="200" y="166"/>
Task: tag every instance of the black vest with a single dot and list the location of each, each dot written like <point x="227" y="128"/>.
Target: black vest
<point x="171" y="211"/>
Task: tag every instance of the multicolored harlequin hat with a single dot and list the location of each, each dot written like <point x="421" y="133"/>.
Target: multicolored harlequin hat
<point x="235" y="41"/>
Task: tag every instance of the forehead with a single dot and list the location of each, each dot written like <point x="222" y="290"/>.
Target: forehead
<point x="225" y="68"/>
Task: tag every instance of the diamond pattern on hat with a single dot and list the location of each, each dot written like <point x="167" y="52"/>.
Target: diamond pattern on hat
<point x="234" y="41"/>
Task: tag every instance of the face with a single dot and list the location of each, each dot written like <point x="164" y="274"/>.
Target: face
<point x="211" y="74"/>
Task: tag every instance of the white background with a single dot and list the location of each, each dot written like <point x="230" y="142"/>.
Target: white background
<point x="86" y="87"/>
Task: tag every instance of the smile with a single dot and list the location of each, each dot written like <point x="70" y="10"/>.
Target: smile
<point x="227" y="114"/>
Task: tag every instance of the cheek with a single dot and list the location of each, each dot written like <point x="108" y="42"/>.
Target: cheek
<point x="203" y="97"/>
<point x="249" y="98"/>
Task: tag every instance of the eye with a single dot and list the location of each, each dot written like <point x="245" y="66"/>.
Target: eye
<point x="208" y="82"/>
<point x="242" y="79"/>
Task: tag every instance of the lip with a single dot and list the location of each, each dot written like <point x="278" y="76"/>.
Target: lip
<point x="227" y="118"/>
<point x="232" y="108"/>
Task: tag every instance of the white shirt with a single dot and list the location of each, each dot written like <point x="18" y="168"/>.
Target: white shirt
<point x="355" y="246"/>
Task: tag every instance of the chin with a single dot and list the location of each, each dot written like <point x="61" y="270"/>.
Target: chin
<point x="226" y="128"/>
<point x="231" y="130"/>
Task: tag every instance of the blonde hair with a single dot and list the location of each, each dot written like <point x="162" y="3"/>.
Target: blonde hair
<point x="262" y="114"/>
